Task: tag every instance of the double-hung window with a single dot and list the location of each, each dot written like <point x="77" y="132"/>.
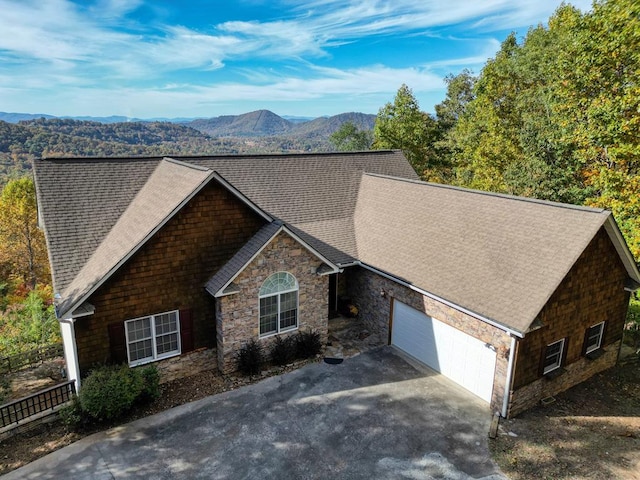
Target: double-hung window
<point x="278" y="304"/>
<point x="553" y="356"/>
<point x="152" y="338"/>
<point x="594" y="338"/>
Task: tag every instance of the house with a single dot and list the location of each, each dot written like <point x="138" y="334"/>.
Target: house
<point x="181" y="261"/>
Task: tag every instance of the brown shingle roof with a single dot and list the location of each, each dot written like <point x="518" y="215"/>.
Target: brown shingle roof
<point x="168" y="187"/>
<point x="81" y="199"/>
<point x="499" y="256"/>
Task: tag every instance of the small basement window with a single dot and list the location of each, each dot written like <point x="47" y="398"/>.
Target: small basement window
<point x="553" y="356"/>
<point x="594" y="338"/>
<point x="152" y="338"/>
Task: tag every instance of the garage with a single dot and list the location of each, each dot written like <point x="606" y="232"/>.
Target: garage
<point x="464" y="359"/>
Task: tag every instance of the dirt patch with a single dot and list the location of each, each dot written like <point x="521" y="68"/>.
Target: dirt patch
<point x="30" y="380"/>
<point x="43" y="439"/>
<point x="592" y="431"/>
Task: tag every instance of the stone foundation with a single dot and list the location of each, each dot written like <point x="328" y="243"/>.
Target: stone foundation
<point x="186" y="365"/>
<point x="530" y="395"/>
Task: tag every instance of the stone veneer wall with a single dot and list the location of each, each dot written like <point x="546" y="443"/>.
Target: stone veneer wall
<point x="237" y="315"/>
<point x="573" y="374"/>
<point x="188" y="364"/>
<point x="376" y="311"/>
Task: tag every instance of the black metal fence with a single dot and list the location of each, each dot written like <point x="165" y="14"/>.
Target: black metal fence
<point x="32" y="357"/>
<point x="42" y="401"/>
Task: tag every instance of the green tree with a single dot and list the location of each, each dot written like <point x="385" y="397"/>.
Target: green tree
<point x="23" y="253"/>
<point x="29" y="325"/>
<point x="402" y="125"/>
<point x="350" y="138"/>
<point x="600" y="98"/>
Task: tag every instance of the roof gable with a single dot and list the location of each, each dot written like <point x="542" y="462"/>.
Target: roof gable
<point x="498" y="256"/>
<point x="168" y="188"/>
<point x="220" y="284"/>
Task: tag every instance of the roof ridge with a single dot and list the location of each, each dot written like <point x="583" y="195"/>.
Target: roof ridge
<point x="185" y="164"/>
<point x="225" y="155"/>
<point x="492" y="194"/>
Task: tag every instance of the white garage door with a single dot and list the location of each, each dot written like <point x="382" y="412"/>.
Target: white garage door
<point x="461" y="357"/>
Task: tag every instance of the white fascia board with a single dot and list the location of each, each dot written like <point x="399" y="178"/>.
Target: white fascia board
<point x="84" y="310"/>
<point x="482" y="318"/>
<point x="134" y="250"/>
<point x="335" y="268"/>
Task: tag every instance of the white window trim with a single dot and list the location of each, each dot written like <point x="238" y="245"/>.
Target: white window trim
<point x="558" y="364"/>
<point x="278" y="329"/>
<point x="155" y="357"/>
<point x="600" y="335"/>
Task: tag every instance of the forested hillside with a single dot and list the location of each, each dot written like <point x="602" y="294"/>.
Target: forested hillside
<point x="554" y="115"/>
<point x="255" y="132"/>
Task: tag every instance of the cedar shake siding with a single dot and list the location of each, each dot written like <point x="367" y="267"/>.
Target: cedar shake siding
<point x="169" y="273"/>
<point x="592" y="292"/>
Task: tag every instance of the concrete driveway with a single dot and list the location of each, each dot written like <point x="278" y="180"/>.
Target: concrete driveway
<point x="374" y="416"/>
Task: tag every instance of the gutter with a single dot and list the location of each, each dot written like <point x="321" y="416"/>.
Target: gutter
<point x="493" y="323"/>
<point x="507" y="383"/>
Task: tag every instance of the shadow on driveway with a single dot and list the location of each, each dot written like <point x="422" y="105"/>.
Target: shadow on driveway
<point x="373" y="416"/>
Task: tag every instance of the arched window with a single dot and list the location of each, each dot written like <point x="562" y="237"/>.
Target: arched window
<point x="278" y="304"/>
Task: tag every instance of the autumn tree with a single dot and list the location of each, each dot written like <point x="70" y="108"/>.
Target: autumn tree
<point x="600" y="100"/>
<point x="23" y="253"/>
<point x="556" y="115"/>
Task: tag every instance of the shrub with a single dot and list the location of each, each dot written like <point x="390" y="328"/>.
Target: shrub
<point x="151" y="384"/>
<point x="308" y="344"/>
<point x="110" y="391"/>
<point x="250" y="358"/>
<point x="283" y="351"/>
<point x="73" y="416"/>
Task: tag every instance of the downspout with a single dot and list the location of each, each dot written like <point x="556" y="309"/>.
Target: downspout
<point x="67" y="329"/>
<point x="507" y="384"/>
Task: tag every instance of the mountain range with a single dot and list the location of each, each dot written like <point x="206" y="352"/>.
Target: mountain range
<point x="24" y="137"/>
<point x="259" y="123"/>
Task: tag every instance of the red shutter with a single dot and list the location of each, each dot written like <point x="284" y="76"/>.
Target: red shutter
<point x="563" y="363"/>
<point x="117" y="343"/>
<point x="186" y="330"/>
<point x="584" y="342"/>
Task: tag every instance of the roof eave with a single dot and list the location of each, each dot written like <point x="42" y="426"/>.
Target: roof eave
<point x="494" y="323"/>
<point x="240" y="196"/>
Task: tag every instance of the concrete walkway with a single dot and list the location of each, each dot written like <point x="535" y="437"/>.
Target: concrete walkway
<point x="372" y="416"/>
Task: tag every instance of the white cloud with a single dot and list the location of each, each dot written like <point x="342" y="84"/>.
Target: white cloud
<point x="96" y="55"/>
<point x="325" y="85"/>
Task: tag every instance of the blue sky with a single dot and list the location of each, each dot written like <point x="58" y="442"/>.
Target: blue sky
<point x="192" y="58"/>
